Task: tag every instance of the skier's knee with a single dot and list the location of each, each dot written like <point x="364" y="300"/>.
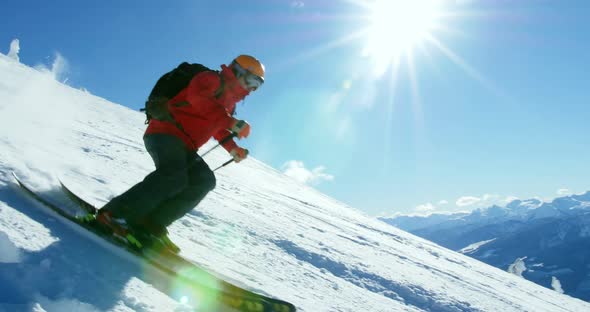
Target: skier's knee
<point x="210" y="182"/>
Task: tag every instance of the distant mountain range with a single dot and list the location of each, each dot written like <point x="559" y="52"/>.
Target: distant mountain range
<point x="551" y="239"/>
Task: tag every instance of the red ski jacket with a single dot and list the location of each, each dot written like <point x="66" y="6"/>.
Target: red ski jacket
<point x="200" y="113"/>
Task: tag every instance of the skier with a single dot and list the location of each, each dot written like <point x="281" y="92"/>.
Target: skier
<point x="202" y="110"/>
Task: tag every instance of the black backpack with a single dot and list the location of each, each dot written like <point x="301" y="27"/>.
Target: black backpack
<point x="168" y="86"/>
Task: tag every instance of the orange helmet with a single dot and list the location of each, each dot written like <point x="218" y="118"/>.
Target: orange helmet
<point x="250" y="64"/>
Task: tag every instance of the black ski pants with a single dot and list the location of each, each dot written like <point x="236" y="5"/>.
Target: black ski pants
<point x="181" y="180"/>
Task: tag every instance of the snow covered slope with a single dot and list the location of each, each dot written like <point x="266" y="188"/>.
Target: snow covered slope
<point x="259" y="228"/>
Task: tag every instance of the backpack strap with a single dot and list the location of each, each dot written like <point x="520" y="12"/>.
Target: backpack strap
<point x="219" y="90"/>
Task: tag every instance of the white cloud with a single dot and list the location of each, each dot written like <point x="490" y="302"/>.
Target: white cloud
<point x="443" y="202"/>
<point x="467" y="201"/>
<point x="14" y="50"/>
<point x="490" y="197"/>
<point x="296" y="170"/>
<point x="485" y="200"/>
<point x="425" y="208"/>
<point x="297" y="4"/>
<point x="564" y="191"/>
<point x="509" y="199"/>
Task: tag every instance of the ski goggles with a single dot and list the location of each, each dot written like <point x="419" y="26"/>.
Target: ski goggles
<point x="252" y="81"/>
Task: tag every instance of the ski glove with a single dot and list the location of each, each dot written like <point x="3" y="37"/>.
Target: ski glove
<point x="241" y="128"/>
<point x="239" y="154"/>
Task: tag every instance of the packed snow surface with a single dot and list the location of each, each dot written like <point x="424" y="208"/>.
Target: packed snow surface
<point x="258" y="228"/>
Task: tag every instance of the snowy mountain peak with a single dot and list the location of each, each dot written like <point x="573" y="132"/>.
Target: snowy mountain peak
<point x="554" y="233"/>
<point x="495" y="211"/>
<point x="583" y="197"/>
<point x="514" y="210"/>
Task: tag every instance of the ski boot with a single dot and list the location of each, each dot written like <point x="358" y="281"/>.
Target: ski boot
<point x="155" y="240"/>
<point x="118" y="227"/>
<point x="167" y="243"/>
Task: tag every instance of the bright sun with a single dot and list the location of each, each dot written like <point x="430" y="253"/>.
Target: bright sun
<point x="396" y="26"/>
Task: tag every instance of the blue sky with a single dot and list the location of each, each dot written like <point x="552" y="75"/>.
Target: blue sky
<point x="492" y="106"/>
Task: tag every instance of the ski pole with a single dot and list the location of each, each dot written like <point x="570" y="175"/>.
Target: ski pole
<point x="227" y="138"/>
<point x="224" y="164"/>
<point x="228" y="162"/>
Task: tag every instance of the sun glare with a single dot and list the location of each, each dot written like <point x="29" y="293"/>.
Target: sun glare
<point x="396" y="26"/>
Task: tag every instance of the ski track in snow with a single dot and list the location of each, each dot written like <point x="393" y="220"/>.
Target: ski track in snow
<point x="258" y="228"/>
